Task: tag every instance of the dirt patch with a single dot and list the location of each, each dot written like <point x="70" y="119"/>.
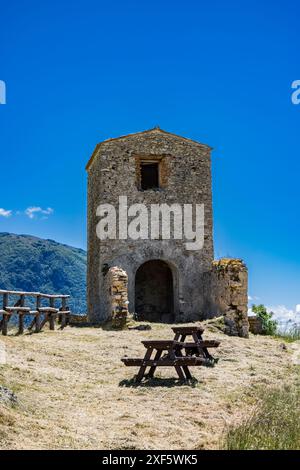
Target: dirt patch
<point x="74" y="392"/>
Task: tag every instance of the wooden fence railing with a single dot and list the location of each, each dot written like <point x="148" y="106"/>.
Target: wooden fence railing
<point x="41" y="314"/>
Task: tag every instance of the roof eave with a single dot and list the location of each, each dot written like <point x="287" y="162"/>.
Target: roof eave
<point x="139" y="133"/>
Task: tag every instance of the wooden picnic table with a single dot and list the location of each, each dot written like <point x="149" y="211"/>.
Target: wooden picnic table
<point x="176" y="353"/>
<point x="198" y="347"/>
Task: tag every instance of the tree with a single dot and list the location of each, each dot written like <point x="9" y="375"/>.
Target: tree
<point x="269" y="326"/>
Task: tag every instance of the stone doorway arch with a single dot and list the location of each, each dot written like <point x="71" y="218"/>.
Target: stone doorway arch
<point x="154" y="292"/>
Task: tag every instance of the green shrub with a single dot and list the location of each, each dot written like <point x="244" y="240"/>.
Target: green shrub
<point x="273" y="425"/>
<point x="269" y="326"/>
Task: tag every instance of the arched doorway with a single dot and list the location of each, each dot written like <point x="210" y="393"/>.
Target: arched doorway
<point x="154" y="292"/>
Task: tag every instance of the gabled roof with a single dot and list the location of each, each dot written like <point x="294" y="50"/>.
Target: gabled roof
<point x="148" y="131"/>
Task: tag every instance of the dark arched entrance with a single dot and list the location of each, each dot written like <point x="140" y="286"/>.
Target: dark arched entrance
<point x="154" y="292"/>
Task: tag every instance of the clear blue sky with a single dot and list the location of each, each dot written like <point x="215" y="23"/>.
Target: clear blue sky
<point x="78" y="72"/>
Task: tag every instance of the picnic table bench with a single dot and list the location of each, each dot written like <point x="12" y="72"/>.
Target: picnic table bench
<point x="40" y="314"/>
<point x="174" y="353"/>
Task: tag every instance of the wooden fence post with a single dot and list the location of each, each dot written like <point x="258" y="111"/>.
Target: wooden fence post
<point x="37" y="318"/>
<point x="5" y="316"/>
<point x="52" y="315"/>
<point x="21" y="315"/>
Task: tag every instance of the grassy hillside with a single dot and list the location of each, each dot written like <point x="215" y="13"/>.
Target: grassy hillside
<point x="32" y="264"/>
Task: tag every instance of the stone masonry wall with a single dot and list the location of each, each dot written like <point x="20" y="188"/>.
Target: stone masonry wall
<point x="186" y="179"/>
<point x="229" y="290"/>
<point x="116" y="283"/>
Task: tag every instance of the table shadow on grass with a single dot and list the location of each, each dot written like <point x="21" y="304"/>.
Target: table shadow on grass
<point x="159" y="382"/>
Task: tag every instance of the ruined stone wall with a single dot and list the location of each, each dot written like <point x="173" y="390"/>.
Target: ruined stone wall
<point x="115" y="287"/>
<point x="255" y="325"/>
<point x="229" y="293"/>
<point x="78" y="320"/>
<point x="186" y="178"/>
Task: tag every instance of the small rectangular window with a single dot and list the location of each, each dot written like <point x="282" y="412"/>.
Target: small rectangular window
<point x="149" y="175"/>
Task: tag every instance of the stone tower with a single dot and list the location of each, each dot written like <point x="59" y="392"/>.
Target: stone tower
<point x="166" y="281"/>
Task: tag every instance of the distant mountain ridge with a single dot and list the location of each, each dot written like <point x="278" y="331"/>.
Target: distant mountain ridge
<point x="33" y="264"/>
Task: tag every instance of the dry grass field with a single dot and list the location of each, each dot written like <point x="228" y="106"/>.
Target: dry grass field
<point x="74" y="393"/>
